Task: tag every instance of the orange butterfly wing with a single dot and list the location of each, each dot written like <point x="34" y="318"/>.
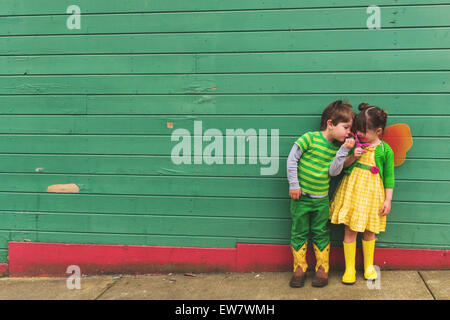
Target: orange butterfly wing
<point x="398" y="137"/>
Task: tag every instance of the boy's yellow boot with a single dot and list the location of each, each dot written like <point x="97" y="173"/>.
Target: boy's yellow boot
<point x="322" y="266"/>
<point x="300" y="267"/>
<point x="368" y="251"/>
<point x="349" y="276"/>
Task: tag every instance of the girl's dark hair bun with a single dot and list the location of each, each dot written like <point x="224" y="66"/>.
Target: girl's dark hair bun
<point x="363" y="105"/>
<point x="381" y="114"/>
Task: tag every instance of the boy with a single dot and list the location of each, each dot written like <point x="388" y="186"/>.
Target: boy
<point x="312" y="160"/>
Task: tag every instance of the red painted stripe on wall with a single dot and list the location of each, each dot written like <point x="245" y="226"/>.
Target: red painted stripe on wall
<point x="33" y="258"/>
<point x="4" y="268"/>
<point x="52" y="259"/>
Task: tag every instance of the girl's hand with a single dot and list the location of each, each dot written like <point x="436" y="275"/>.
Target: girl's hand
<point x="385" y="208"/>
<point x="359" y="152"/>
<point x="295" y="194"/>
<point x="349" y="143"/>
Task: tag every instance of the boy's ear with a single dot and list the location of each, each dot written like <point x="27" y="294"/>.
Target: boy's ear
<point x="329" y="123"/>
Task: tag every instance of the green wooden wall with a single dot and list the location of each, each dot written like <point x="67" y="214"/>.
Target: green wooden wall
<point x="93" y="106"/>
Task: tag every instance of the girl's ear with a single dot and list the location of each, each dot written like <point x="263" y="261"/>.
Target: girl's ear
<point x="379" y="131"/>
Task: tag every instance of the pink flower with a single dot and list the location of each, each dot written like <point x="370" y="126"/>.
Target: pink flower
<point x="374" y="170"/>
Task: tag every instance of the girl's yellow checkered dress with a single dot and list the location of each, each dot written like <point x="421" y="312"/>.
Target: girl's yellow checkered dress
<point x="359" y="198"/>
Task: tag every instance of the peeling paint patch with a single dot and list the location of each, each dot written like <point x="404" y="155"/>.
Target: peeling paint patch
<point x="203" y="99"/>
<point x="63" y="188"/>
<point x="198" y="88"/>
<point x="171" y="171"/>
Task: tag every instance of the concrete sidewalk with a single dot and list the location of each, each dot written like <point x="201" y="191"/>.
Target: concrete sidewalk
<point x="393" y="285"/>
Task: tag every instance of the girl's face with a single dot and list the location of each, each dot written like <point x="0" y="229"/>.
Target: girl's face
<point x="370" y="136"/>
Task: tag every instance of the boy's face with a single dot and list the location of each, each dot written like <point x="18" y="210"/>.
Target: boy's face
<point x="341" y="131"/>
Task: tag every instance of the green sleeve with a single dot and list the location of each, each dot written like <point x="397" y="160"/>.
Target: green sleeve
<point x="389" y="180"/>
<point x="304" y="142"/>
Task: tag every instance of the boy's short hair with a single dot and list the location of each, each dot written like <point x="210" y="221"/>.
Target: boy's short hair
<point x="337" y="112"/>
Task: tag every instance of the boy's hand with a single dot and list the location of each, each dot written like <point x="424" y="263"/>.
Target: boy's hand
<point x="359" y="152"/>
<point x="386" y="208"/>
<point x="349" y="143"/>
<point x="295" y="194"/>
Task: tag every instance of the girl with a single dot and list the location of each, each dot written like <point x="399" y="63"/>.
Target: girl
<point x="363" y="197"/>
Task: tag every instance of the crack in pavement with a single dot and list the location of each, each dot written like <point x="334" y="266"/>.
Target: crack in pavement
<point x="109" y="286"/>
<point x="426" y="285"/>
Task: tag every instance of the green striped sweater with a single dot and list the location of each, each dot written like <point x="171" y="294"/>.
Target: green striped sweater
<point x="317" y="155"/>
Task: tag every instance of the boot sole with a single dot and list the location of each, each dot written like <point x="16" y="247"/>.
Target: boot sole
<point x="319" y="285"/>
<point x="297" y="286"/>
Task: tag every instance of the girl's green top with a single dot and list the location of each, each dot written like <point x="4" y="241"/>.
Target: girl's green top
<point x="384" y="159"/>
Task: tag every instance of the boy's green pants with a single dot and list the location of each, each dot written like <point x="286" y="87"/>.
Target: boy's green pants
<point x="310" y="214"/>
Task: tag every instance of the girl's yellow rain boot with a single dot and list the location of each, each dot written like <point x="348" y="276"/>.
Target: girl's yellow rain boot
<point x="368" y="251"/>
<point x="349" y="276"/>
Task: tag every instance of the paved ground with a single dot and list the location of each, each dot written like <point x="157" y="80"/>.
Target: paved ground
<point x="393" y="285"/>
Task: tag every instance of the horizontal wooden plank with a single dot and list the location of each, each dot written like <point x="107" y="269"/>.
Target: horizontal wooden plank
<point x="417" y="169"/>
<point x="399" y="234"/>
<point x="401" y="60"/>
<point x="142" y="224"/>
<point x="419" y="212"/>
<point x="423" y="148"/>
<point x="336" y="241"/>
<point x="23" y="7"/>
<point x="274" y="104"/>
<point x="123" y="239"/>
<point x="413" y="212"/>
<point x="99" y="64"/>
<point x="198" y="186"/>
<point x="292" y="19"/>
<point x="354" y="82"/>
<point x="437" y="234"/>
<point x="323" y="61"/>
<point x="319" y="40"/>
<point x="424" y="126"/>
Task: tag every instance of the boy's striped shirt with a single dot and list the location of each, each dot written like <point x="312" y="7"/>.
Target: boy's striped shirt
<point x="317" y="155"/>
